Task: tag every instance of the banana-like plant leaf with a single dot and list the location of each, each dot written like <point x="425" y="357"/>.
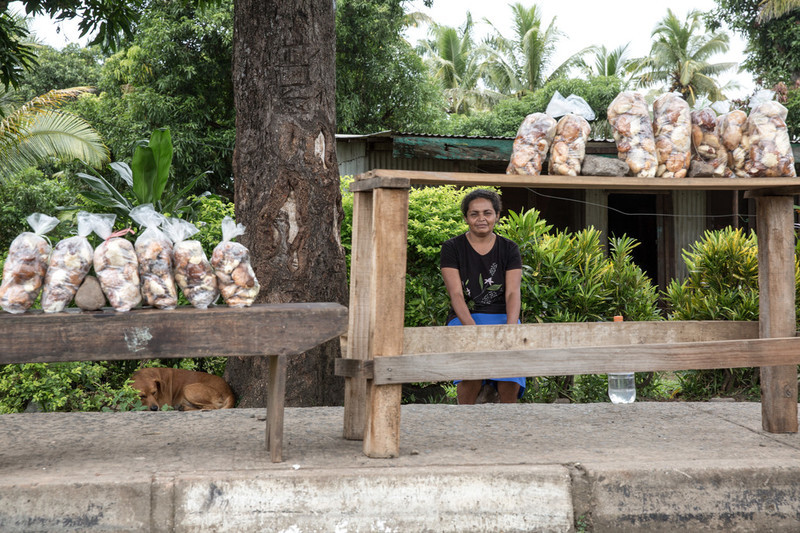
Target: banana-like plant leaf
<point x="161" y="145"/>
<point x="123" y="171"/>
<point x="103" y="188"/>
<point x="144" y="174"/>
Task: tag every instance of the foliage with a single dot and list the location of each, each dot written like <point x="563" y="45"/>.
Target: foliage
<point x="456" y="63"/>
<point x="606" y="62"/>
<point x="40" y="130"/>
<point x="773" y="46"/>
<point x="521" y="63"/>
<point x="381" y="84"/>
<point x="504" y="119"/>
<point x="679" y="58"/>
<point x="74" y="386"/>
<point x="146" y="180"/>
<point x="793" y="117"/>
<point x="30" y="192"/>
<point x="175" y="74"/>
<point x="72" y="66"/>
<point x="107" y="19"/>
<point x="722" y="285"/>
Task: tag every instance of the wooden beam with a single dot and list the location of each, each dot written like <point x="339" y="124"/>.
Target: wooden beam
<point x="416" y="177"/>
<point x="570" y="334"/>
<point x="364" y="183"/>
<point x="263" y="329"/>
<point x="587" y="360"/>
<point x="387" y="314"/>
<point x="358" y="336"/>
<point x="776" y="305"/>
<point x="276" y="397"/>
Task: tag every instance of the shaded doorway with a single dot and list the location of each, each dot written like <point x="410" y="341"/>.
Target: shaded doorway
<point x="635" y="215"/>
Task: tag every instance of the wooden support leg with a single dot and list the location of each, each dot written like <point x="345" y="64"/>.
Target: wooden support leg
<point x="275" y="401"/>
<point x="387" y="314"/>
<point x="355" y="389"/>
<point x="777" y="308"/>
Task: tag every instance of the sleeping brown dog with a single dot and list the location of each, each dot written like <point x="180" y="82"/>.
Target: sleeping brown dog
<point x="185" y="390"/>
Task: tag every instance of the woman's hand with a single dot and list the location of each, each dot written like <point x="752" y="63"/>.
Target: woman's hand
<point x="452" y="282"/>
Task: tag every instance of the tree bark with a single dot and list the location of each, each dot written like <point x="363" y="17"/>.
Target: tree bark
<point x="286" y="179"/>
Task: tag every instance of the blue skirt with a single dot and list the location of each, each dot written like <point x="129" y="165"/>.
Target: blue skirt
<point x="491" y="318"/>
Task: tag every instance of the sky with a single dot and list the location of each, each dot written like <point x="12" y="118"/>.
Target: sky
<point x="584" y="22"/>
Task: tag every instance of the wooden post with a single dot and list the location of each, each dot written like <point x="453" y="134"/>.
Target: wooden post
<point x="776" y="281"/>
<point x="275" y="401"/>
<point x="355" y="389"/>
<point x="387" y="314"/>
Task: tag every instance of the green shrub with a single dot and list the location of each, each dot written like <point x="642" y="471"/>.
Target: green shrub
<point x="74" y="386"/>
<point x="722" y="285"/>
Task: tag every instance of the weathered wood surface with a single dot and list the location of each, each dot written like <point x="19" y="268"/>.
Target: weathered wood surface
<point x="276" y="397"/>
<point x="387" y="314"/>
<point x="587" y="360"/>
<point x="776" y="307"/>
<point x="781" y="186"/>
<point x="481" y="149"/>
<point x="565" y="335"/>
<point x="358" y="337"/>
<point x="264" y="329"/>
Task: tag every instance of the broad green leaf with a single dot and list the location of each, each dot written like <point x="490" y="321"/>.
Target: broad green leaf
<point x="123" y="171"/>
<point x="161" y="145"/>
<point x="144" y="174"/>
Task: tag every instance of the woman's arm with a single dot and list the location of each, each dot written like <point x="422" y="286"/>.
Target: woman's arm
<point x="513" y="295"/>
<point x="452" y="282"/>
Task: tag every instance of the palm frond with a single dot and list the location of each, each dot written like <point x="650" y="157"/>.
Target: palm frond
<point x="52" y="134"/>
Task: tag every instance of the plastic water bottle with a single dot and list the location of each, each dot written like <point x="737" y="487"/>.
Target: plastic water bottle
<point x="621" y="385"/>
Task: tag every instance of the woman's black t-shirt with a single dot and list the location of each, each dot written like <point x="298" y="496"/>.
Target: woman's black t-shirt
<point x="482" y="276"/>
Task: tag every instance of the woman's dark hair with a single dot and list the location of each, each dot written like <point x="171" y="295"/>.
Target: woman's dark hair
<point x="486" y="194"/>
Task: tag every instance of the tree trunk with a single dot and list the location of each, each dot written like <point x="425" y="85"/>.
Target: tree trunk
<point x="287" y="180"/>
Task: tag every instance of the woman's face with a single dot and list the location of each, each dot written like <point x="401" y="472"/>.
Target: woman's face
<point x="481" y="217"/>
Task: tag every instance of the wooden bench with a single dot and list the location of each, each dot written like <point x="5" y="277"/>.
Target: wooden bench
<point x="274" y="330"/>
<point x="380" y="356"/>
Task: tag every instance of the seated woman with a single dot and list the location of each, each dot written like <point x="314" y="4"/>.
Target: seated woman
<point x="482" y="272"/>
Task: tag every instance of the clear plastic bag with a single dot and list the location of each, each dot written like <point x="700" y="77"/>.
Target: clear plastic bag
<point x="231" y="261"/>
<point x="707" y="142"/>
<point x="531" y="145"/>
<point x="569" y="145"/>
<point x="26" y="265"/>
<point x="731" y="131"/>
<point x="193" y="271"/>
<point x="672" y="131"/>
<point x="69" y="263"/>
<point x="766" y="141"/>
<point x="116" y="266"/>
<point x="572" y="104"/>
<point x="154" y="254"/>
<point x="633" y="133"/>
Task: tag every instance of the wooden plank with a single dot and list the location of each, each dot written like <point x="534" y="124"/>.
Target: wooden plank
<point x="365" y="183"/>
<point x="570" y="334"/>
<point x="772" y="191"/>
<point x="587" y="360"/>
<point x="387" y="314"/>
<point x="263" y="329"/>
<point x="776" y="283"/>
<point x="417" y="177"/>
<point x="358" y="337"/>
<point x="276" y="395"/>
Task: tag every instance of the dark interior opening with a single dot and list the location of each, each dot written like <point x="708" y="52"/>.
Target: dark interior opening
<point x="634" y="215"/>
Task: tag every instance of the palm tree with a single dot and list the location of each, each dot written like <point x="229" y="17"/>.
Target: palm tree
<point x="455" y="61"/>
<point x="39" y="130"/>
<point x="520" y="63"/>
<point x="679" y="58"/>
<point x="606" y="62"/>
<point x="773" y="9"/>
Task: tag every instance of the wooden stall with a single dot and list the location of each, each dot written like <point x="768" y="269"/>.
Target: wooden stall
<point x="382" y="354"/>
<point x="275" y="330"/>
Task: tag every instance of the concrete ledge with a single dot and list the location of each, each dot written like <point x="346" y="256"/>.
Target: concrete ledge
<point x="527" y="467"/>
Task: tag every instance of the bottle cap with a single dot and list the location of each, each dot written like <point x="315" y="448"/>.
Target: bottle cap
<point x="618" y="318"/>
